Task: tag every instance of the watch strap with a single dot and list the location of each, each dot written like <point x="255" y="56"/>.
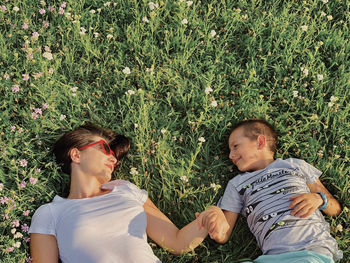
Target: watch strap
<point x="325" y="201"/>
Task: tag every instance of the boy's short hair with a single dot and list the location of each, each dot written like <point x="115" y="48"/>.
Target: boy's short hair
<point x="255" y="127"/>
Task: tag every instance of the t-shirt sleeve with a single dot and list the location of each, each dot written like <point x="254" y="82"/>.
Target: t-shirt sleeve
<point x="231" y="200"/>
<point x="42" y="221"/>
<point x="140" y="194"/>
<point x="311" y="173"/>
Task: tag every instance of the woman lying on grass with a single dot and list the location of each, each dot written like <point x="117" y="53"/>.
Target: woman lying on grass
<point x="96" y="224"/>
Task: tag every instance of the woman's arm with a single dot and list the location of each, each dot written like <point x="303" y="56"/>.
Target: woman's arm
<point x="43" y="248"/>
<point x="161" y="230"/>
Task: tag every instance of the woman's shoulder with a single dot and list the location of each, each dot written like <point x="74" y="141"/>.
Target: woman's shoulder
<point x="118" y="183"/>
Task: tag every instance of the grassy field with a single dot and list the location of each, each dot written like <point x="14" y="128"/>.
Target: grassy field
<point x="173" y="76"/>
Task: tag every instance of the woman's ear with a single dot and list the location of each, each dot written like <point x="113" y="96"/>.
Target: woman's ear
<point x="261" y="141"/>
<point x="74" y="154"/>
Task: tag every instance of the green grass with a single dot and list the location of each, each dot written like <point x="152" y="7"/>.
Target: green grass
<point x="260" y="63"/>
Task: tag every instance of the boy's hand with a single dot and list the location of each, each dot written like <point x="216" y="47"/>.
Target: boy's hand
<point x="214" y="221"/>
<point x="305" y="204"/>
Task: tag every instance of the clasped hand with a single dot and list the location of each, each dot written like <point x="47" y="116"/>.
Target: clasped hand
<point x="214" y="221"/>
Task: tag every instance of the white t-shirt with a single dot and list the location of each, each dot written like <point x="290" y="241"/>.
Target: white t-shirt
<point x="103" y="229"/>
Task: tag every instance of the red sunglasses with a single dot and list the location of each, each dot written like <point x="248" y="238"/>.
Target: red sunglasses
<point x="104" y="145"/>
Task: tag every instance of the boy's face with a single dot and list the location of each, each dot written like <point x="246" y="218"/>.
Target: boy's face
<point x="243" y="151"/>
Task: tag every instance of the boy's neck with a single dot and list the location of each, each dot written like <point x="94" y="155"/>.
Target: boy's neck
<point x="262" y="164"/>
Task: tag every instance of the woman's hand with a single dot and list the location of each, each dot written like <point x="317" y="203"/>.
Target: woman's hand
<point x="304" y="205"/>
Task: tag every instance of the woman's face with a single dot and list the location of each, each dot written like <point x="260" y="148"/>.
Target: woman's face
<point x="95" y="161"/>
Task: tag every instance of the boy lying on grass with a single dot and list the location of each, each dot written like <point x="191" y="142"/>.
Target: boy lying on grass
<point x="281" y="200"/>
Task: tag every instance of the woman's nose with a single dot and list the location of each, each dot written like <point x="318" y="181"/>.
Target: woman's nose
<point x="113" y="159"/>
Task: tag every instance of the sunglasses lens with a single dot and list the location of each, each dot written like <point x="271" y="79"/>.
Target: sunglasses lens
<point x="106" y="148"/>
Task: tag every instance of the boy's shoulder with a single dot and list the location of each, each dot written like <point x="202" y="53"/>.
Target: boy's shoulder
<point x="294" y="161"/>
<point x="277" y="164"/>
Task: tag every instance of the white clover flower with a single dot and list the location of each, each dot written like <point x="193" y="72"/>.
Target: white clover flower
<point x="18" y="235"/>
<point x="133" y="171"/>
<point x="130" y="92"/>
<point x="334" y="99"/>
<point x="150" y="70"/>
<point x="136" y="125"/>
<point x="201" y="139"/>
<point x="107" y="4"/>
<point x="109" y="36"/>
<point x="163" y="131"/>
<point x="208" y="90"/>
<point x="330" y="17"/>
<point x="323" y="13"/>
<point x="184" y="21"/>
<point x="319" y="76"/>
<point x="43" y="3"/>
<point x="62" y="117"/>
<point x="330" y="104"/>
<point x="304" y="28"/>
<point x="213" y="33"/>
<point x="13" y="231"/>
<point x="314" y="116"/>
<point x="295" y="93"/>
<point x="339" y="228"/>
<point x="126" y="71"/>
<point x="215" y="186"/>
<point x="305" y="71"/>
<point x="82" y="31"/>
<point x="189" y="3"/>
<point x="145" y="19"/>
<point x="214" y="103"/>
<point x="48" y="55"/>
<point x="17" y="244"/>
<point x="92" y="11"/>
<point x="1" y="186"/>
<point x="96" y="34"/>
<point x="325" y="1"/>
<point x="16" y="9"/>
<point x="68" y="15"/>
<point x="74" y="89"/>
<point x="152" y="5"/>
<point x="184" y="178"/>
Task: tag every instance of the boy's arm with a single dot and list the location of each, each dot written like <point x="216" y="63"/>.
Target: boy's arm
<point x="305" y="204"/>
<point x="219" y="223"/>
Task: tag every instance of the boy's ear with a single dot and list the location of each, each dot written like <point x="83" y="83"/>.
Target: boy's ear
<point x="74" y="154"/>
<point x="261" y="141"/>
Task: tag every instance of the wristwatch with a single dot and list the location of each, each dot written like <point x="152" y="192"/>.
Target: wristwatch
<point x="325" y="200"/>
